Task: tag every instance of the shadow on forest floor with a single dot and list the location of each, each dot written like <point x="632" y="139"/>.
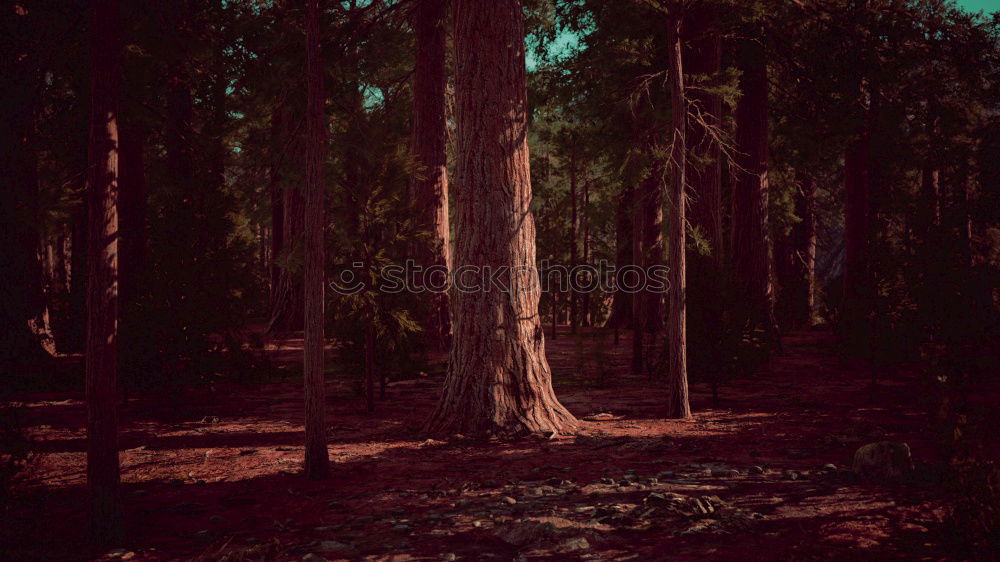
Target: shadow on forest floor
<point x="748" y="478"/>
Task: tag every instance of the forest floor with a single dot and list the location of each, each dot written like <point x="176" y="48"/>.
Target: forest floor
<point x="762" y="474"/>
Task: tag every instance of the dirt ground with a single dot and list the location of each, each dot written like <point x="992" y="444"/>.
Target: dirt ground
<point x="760" y="475"/>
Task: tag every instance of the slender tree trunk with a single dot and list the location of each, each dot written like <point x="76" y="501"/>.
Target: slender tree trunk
<point x="803" y="290"/>
<point x="75" y="340"/>
<point x="621" y="301"/>
<point x="102" y="298"/>
<point x="751" y="260"/>
<point x="555" y="313"/>
<point x="286" y="314"/>
<point x="278" y="150"/>
<point x="638" y="297"/>
<point x="653" y="250"/>
<point x="678" y="405"/>
<point x="317" y="460"/>
<point x="133" y="213"/>
<point x="586" y="248"/>
<point x="498" y="382"/>
<point x="574" y="232"/>
<point x="369" y="344"/>
<point x="857" y="307"/>
<point x="429" y="188"/>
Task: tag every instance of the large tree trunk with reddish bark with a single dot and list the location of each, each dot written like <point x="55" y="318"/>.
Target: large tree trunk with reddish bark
<point x="102" y="297"/>
<point x="317" y="460"/>
<point x="678" y="405"/>
<point x="429" y="187"/>
<point x="751" y="260"/>
<point x="703" y="58"/>
<point x="498" y="382"/>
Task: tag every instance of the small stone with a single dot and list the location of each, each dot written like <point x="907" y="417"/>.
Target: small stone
<point x="574" y="544"/>
<point x="608" y="481"/>
<point x="116" y="553"/>
<point x="652" y="481"/>
<point x="449" y="556"/>
<point x="331" y="546"/>
<point x="725" y="473"/>
<point x="665" y="474"/>
<point x="508" y="500"/>
<point x="830" y="467"/>
<point x="402" y="528"/>
<point x="624" y="483"/>
<point x="756" y="470"/>
<point x="204" y="534"/>
<point x="791" y="474"/>
<point x="245" y="452"/>
<point x="311" y="557"/>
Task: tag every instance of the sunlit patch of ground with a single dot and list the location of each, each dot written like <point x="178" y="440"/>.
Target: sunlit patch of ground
<point x="216" y="471"/>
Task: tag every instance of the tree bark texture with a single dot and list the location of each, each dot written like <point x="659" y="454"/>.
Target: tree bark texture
<point x="429" y="187"/>
<point x="102" y="292"/>
<point x="750" y="259"/>
<point x="678" y="405"/>
<point x="317" y="460"/>
<point x="498" y="382"/>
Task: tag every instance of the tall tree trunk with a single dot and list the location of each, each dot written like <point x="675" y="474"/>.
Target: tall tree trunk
<point x="678" y="405"/>
<point x="21" y="299"/>
<point x="277" y="156"/>
<point x="75" y="340"/>
<point x="857" y="306"/>
<point x="286" y="312"/>
<point x="317" y="459"/>
<point x="653" y="250"/>
<point x="621" y="301"/>
<point x="803" y="290"/>
<point x="498" y="382"/>
<point x="639" y="314"/>
<point x="555" y="313"/>
<point x="132" y="248"/>
<point x="751" y="260"/>
<point x="102" y="298"/>
<point x="702" y="57"/>
<point x="574" y="233"/>
<point x="429" y="188"/>
<point x="132" y="213"/>
<point x="586" y="247"/>
<point x="369" y="349"/>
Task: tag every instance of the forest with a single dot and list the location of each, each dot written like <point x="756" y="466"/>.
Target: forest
<point x="499" y="279"/>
